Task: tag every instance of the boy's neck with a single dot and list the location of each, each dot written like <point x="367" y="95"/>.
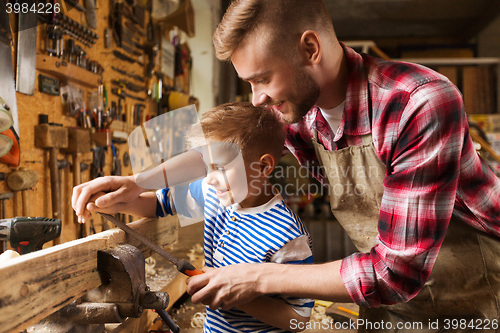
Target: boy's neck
<point x="265" y="194"/>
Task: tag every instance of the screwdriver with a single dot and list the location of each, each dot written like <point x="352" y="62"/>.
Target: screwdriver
<point x="120" y="93"/>
<point x="183" y="266"/>
<point x="134" y="76"/>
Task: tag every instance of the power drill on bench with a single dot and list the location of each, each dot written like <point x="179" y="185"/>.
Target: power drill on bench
<point x="28" y="234"/>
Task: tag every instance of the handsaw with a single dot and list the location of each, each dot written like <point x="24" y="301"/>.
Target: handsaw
<point x="7" y="83"/>
<point x="183" y="266"/>
<point x="26" y="51"/>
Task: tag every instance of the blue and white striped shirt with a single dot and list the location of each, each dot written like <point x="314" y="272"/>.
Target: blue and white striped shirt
<point x="268" y="233"/>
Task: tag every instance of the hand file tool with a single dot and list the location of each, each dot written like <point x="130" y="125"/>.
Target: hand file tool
<point x="183" y="266"/>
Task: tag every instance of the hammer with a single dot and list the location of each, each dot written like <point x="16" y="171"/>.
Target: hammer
<point x="23" y="180"/>
<point x="78" y="143"/>
<point x="52" y="137"/>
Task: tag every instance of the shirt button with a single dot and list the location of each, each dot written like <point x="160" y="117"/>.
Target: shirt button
<point x="228" y="232"/>
<point x="222" y="244"/>
<point x="233" y="218"/>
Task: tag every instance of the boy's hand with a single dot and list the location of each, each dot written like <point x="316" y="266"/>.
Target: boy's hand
<point x="103" y="194"/>
<point x="225" y="287"/>
<point x="92" y="208"/>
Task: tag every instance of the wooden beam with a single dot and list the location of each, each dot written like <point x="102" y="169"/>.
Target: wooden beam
<point x="38" y="284"/>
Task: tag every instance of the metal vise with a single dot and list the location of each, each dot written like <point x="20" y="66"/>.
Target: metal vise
<point x="123" y="293"/>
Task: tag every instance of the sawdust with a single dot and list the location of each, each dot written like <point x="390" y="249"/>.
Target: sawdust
<point x="160" y="272"/>
<point x="195" y="252"/>
<point x="318" y="314"/>
<point x="150" y="266"/>
<point x="159" y="275"/>
<point x="198" y="319"/>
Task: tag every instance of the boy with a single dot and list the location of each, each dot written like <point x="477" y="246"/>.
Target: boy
<point x="246" y="222"/>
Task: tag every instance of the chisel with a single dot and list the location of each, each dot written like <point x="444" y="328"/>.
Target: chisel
<point x="183" y="266"/>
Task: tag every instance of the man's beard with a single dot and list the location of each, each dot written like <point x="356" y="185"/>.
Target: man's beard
<point x="307" y="90"/>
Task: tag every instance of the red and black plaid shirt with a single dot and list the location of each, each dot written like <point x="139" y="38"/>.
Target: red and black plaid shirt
<point x="420" y="132"/>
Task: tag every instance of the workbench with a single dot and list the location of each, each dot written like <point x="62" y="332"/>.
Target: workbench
<point x="38" y="284"/>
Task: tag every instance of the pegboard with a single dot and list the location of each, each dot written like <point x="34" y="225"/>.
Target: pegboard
<point x="30" y="107"/>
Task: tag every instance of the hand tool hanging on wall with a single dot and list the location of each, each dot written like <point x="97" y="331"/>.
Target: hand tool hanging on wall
<point x="116" y="170"/>
<point x="22" y="181"/>
<point x="7" y="83"/>
<point x="3" y="197"/>
<point x="51" y="138"/>
<point x="28" y="234"/>
<point x="120" y="93"/>
<point x="122" y="56"/>
<point x="115" y="21"/>
<point x="128" y="85"/>
<point x="75" y="4"/>
<point x="98" y="162"/>
<point x="134" y="28"/>
<point x="183" y="266"/>
<point x="151" y="47"/>
<point x="78" y="143"/>
<point x="26" y="51"/>
<point x="134" y="76"/>
<point x="66" y="25"/>
<point x="138" y="110"/>
<point x="90" y="14"/>
<point x="55" y="42"/>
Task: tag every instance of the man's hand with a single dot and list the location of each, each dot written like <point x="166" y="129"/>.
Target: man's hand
<point x="104" y="194"/>
<point x="225" y="287"/>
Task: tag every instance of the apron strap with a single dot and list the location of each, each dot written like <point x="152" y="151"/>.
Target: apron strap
<point x="367" y="139"/>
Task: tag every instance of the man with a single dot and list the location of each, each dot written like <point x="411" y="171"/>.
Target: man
<point x="423" y="208"/>
<point x="418" y="188"/>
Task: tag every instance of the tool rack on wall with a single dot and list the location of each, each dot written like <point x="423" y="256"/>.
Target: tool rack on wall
<point x="104" y="48"/>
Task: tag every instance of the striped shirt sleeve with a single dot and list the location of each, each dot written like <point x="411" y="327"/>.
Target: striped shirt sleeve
<point x="297" y="251"/>
<point x="184" y="200"/>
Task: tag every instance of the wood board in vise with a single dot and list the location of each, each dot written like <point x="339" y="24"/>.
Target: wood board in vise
<point x="30" y="107"/>
<point x="39" y="283"/>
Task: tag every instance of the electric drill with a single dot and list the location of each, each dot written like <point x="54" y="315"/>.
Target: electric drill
<point x="28" y="234"/>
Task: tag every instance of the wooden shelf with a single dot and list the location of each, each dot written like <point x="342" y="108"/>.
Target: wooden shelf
<point x="66" y="71"/>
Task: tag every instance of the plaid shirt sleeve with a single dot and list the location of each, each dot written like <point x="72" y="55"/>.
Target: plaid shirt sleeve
<point x="425" y="137"/>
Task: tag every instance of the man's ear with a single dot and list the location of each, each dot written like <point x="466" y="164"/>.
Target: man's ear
<point x="310" y="46"/>
<point x="266" y="165"/>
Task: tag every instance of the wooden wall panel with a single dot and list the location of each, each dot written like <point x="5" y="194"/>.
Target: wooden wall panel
<point x="30" y="107"/>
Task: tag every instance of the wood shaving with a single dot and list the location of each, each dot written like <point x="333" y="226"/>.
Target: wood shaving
<point x="318" y="314"/>
<point x="150" y="266"/>
<point x="195" y="252"/>
<point x="198" y="319"/>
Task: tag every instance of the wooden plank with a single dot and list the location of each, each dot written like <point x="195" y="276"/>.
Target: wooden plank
<point x="37" y="284"/>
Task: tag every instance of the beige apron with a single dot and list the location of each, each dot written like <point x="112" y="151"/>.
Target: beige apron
<point x="464" y="286"/>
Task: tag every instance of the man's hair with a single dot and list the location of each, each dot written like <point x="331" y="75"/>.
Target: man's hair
<point x="257" y="130"/>
<point x="282" y="22"/>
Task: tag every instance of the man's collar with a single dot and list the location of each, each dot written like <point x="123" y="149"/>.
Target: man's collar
<point x="356" y="117"/>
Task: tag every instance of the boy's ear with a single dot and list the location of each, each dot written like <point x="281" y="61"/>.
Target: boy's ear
<point x="266" y="164"/>
<point x="310" y="46"/>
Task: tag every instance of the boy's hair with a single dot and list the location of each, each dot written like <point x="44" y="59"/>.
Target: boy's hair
<point x="281" y="22"/>
<point x="257" y="130"/>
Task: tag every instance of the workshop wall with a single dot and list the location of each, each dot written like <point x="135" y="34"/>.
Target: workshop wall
<point x="38" y="199"/>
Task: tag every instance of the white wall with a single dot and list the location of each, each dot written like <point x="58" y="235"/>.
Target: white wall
<point x="204" y="77"/>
